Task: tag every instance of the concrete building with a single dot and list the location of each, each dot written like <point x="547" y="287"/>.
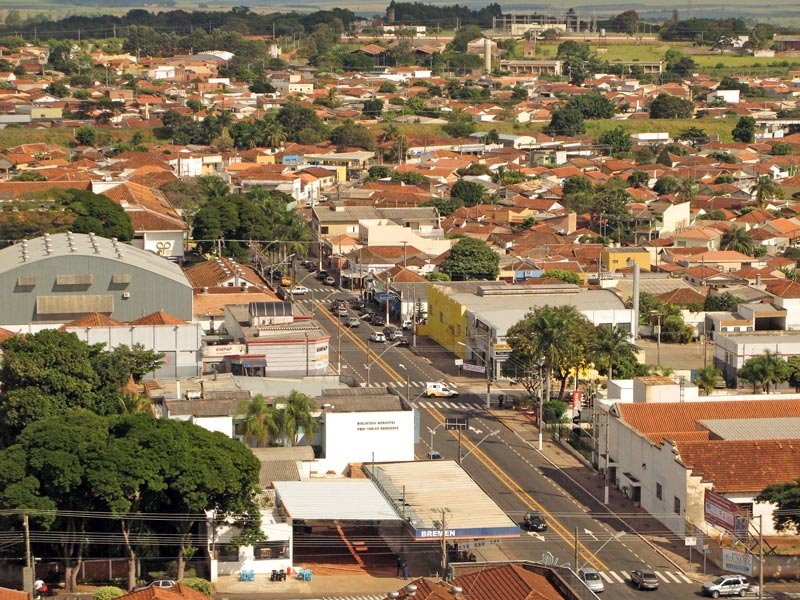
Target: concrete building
<point x="52" y="280"/>
<point x="665" y="456"/>
<point x="335" y="220"/>
<point x="732" y="350"/>
<point x="361" y="426"/>
<point x="660" y="219"/>
<point x="615" y="259"/>
<point x="471" y="319"/>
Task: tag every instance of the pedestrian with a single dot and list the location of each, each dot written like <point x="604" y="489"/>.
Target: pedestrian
<point x="399" y="567"/>
<point x="405" y="570"/>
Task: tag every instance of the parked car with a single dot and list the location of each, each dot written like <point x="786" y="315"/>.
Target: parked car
<point x="352" y="322"/>
<point x="342" y="311"/>
<point x="286" y="280"/>
<point x="591" y="578"/>
<point x="377" y="336"/>
<point x="644" y="580"/>
<point x="299" y="290"/>
<point x="158" y="583"/>
<point x="534" y="521"/>
<point x="378" y="320"/>
<point x="389" y="331"/>
<point x="397" y="334"/>
<point x="433" y="455"/>
<point x="321" y="274"/>
<point x="408" y="324"/>
<point x="329" y="280"/>
<point x="402" y="342"/>
<point x="726" y="585"/>
<point x="357" y="304"/>
<point x="277" y="275"/>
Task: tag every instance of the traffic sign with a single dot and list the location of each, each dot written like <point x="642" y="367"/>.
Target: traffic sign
<point x="690" y="541"/>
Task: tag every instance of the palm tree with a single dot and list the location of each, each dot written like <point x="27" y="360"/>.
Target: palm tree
<point x="610" y="346"/>
<point x="295" y="417"/>
<point x="737" y="238"/>
<point x="687" y="189"/>
<point x="765" y="189"/>
<point x="274" y="135"/>
<point x="707" y="379"/>
<point x="260" y="424"/>
<point x="131" y="404"/>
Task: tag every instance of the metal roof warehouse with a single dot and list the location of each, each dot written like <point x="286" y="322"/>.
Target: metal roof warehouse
<point x="424" y="490"/>
<point x="342" y="500"/>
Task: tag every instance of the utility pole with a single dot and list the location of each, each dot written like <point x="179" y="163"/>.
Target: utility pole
<point x="29" y="579"/>
<point x="577" y="551"/>
<point x="443" y="512"/>
<point x="608" y="457"/>
<point x="760" y="557"/>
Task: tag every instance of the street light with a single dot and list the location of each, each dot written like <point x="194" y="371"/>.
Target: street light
<point x="483" y="439"/>
<point x="370" y="362"/>
<point x="433" y="431"/>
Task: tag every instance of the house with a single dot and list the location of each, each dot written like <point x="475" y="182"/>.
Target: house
<point x="665" y="455"/>
<point x="615" y="259"/>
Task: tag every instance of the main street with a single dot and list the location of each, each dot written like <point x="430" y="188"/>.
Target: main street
<point x="512" y="472"/>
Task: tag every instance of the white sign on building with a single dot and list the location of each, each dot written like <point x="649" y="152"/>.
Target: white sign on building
<point x="737" y="562"/>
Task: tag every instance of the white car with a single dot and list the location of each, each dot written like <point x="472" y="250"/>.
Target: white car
<point x="377" y="336"/>
<point x="299" y="290"/>
<point x="439" y="390"/>
<point x="408" y="325"/>
<point x="591" y="578"/>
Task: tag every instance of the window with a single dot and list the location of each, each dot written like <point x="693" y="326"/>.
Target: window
<point x="676" y="505"/>
<point x="441" y="317"/>
<point x="659" y="491"/>
<point x="228" y="552"/>
<point x="323" y="229"/>
<point x="269" y="550"/>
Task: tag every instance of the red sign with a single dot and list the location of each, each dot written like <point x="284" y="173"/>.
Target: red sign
<point x="720" y="512"/>
<point x="577" y="396"/>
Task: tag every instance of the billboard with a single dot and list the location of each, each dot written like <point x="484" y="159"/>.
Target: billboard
<point x="737" y="562"/>
<point x="720" y="512"/>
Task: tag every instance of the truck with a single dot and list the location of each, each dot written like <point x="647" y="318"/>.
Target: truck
<point x="439" y="390"/>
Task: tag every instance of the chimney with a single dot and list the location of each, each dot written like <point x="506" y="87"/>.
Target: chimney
<point x="487" y="56"/>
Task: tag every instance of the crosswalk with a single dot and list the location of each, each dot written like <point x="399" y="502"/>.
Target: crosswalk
<point x="666" y="577"/>
<point x="448" y="404"/>
<point x="402" y="384"/>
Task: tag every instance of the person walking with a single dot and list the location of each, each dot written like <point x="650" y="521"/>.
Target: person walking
<point x="405" y="570"/>
<point x="399" y="567"/>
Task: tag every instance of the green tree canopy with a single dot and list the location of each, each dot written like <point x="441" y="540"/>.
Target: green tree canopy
<point x="353" y="134"/>
<point x="786" y="496"/>
<point x="52" y="372"/>
<point x="665" y="106"/>
<point x="469" y="193"/>
<point x="617" y="139"/>
<point x="745" y="130"/>
<point x="563" y="275"/>
<point x="471" y="258"/>
<point x="565" y="121"/>
<point x="592" y="105"/>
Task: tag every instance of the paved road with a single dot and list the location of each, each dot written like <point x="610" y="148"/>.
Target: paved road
<point x="516" y="476"/>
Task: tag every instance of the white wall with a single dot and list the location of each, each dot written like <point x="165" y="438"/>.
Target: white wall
<point x="180" y="342"/>
<point x="792" y="308"/>
<point x="163" y="243"/>
<point x="274" y="529"/>
<point x="354" y="437"/>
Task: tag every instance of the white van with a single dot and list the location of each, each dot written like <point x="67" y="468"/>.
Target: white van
<point x="439" y="390"/>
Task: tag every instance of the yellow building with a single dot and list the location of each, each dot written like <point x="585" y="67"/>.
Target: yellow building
<point x="614" y="259"/>
<point x="447" y="319"/>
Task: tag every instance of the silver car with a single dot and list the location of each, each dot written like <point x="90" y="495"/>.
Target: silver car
<point x="726" y="585"/>
<point x="591" y="578"/>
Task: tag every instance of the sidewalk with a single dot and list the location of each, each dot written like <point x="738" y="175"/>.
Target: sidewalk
<point x="576" y="473"/>
<point x="316" y="588"/>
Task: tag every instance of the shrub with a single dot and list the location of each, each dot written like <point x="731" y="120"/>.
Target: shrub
<point x="198" y="584"/>
<point x="108" y="592"/>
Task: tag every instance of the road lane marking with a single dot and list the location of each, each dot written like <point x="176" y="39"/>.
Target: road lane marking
<point x="606" y="577"/>
<point x="617" y="577"/>
<point x="684" y="577"/>
<point x="661" y="577"/>
<point x="626" y="575"/>
<point x="671" y="576"/>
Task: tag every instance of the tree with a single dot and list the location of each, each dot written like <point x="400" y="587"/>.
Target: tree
<point x="52" y="372"/>
<point x="665" y="106"/>
<point x="626" y="22"/>
<point x="768" y="369"/>
<point x="548" y="338"/>
<point x="575" y="184"/>
<point x="610" y="209"/>
<point x="786" y="496"/>
<point x="86" y="136"/>
<point x="696" y="136"/>
<point x="471" y="258"/>
<point x="573" y="49"/>
<point x="667" y="184"/>
<point x="609" y="347"/>
<point x="459" y="124"/>
<point x="794" y="375"/>
<point x="294" y="119"/>
<point x="745" y="130"/>
<point x="464" y="36"/>
<point x="259" y="423"/>
<point x="638" y="179"/>
<point x="565" y="276"/>
<point x="592" y="105"/>
<point x="617" y="139"/>
<point x="469" y="193"/>
<point x="354" y="134"/>
<point x="566" y="122"/>
<point x="296" y="417"/>
<point x="137" y="361"/>
<point x="765" y="189"/>
<point x="445" y="206"/>
<point x="707" y="379"/>
<point x="737" y="239"/>
<point x="721" y="302"/>
<point x="372" y="108"/>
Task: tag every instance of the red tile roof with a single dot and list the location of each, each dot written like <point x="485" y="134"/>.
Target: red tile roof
<point x="179" y="592"/>
<point x="93" y="320"/>
<point x="158" y="318"/>
<point x="785" y="289"/>
<point x="742" y="465"/>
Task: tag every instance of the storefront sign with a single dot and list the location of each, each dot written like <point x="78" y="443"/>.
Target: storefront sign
<point x="737" y="562"/>
<point x="427" y="533"/>
<point x="229" y="350"/>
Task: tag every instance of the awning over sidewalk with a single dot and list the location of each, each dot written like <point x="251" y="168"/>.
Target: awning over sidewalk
<point x="431" y="486"/>
<point x="334" y="500"/>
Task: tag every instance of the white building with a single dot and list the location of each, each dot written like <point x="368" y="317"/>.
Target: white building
<point x="727" y="96"/>
<point x="732" y="350"/>
<point x="293" y="84"/>
<point x="665" y="455"/>
<point x="383" y="232"/>
<point x="362" y="426"/>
